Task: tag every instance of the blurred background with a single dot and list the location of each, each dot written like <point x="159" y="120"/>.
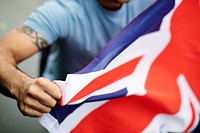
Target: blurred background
<point x="12" y="14"/>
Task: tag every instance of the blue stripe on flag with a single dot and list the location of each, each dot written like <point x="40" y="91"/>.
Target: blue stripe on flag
<point x="120" y="93"/>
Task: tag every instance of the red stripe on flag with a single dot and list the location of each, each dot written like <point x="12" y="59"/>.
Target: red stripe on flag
<point x="108" y="78"/>
<point x="192" y="120"/>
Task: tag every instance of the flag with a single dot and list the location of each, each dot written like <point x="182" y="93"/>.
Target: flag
<point x="146" y="79"/>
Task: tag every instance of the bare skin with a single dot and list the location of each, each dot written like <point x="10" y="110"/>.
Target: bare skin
<point x="34" y="96"/>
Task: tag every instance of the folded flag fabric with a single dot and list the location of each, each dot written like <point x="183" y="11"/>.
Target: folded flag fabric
<point x="146" y="79"/>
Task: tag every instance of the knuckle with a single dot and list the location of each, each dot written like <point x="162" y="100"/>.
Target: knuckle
<point x="39" y="81"/>
<point x="31" y="89"/>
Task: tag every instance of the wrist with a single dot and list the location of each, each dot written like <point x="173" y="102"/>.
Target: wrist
<point x="18" y="83"/>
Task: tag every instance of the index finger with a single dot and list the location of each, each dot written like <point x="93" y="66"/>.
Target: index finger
<point x="50" y="88"/>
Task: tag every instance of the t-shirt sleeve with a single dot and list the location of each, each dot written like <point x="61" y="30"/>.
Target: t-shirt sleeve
<point x="49" y="20"/>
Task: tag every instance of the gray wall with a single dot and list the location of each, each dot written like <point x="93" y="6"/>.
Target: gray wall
<point x="12" y="14"/>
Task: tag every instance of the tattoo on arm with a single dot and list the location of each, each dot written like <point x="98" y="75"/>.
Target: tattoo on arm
<point x="38" y="41"/>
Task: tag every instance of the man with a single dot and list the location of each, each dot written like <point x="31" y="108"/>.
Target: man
<point x="77" y="28"/>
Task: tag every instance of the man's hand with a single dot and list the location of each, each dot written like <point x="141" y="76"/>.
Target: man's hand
<point x="34" y="96"/>
<point x="37" y="97"/>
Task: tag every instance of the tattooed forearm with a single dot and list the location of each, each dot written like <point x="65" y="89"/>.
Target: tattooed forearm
<point x="38" y="41"/>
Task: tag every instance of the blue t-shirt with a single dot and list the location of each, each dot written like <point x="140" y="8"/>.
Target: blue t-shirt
<point x="78" y="30"/>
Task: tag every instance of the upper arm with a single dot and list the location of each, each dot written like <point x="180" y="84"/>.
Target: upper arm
<point x="52" y="20"/>
<point x="47" y="23"/>
<point x="22" y="43"/>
